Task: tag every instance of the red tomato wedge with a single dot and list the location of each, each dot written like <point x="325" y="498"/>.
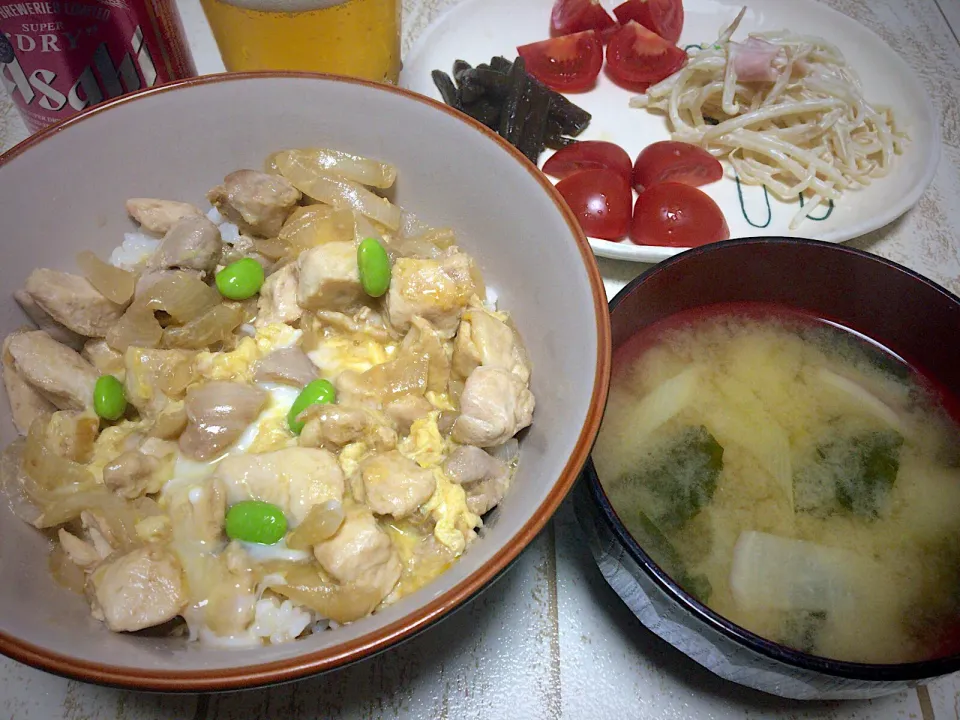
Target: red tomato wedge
<point x="573" y="16"/>
<point x="637" y="58"/>
<point x="672" y="161"/>
<point x="664" y="17"/>
<point x="677" y="215"/>
<point x="601" y="201"/>
<point x="566" y="64"/>
<point x="589" y="155"/>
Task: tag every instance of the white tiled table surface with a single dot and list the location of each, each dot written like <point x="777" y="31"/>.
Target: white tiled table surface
<point x="550" y="639"/>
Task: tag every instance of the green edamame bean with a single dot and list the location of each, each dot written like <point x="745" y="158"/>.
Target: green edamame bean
<point x="109" y="400"/>
<point x="256" y="521"/>
<point x="319" y="392"/>
<point x="374" y="266"/>
<point x="240" y="280"/>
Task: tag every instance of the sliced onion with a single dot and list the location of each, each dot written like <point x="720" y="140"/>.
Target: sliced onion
<point x="182" y="296"/>
<point x="441" y="238"/>
<point x="506" y="453"/>
<point x="321" y="523"/>
<point x="289" y="366"/>
<point x="273" y="248"/>
<point x="10" y="485"/>
<point x="113" y="283"/>
<point x="65" y="572"/>
<point x="340" y="603"/>
<point x="138" y="327"/>
<point x="177" y="374"/>
<point x="365" y="171"/>
<point x="316" y="225"/>
<point x="217" y="414"/>
<point x="214" y="326"/>
<point x="46" y="468"/>
<point x="338" y="192"/>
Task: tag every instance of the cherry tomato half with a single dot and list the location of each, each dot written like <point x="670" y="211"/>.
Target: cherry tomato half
<point x="664" y="17"/>
<point x="589" y="155"/>
<point x="672" y="161"/>
<point x="677" y="215"/>
<point x="573" y="16"/>
<point x="637" y="58"/>
<point x="601" y="201"/>
<point x="566" y="64"/>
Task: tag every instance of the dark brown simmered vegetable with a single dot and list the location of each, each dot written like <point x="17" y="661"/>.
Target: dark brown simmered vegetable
<point x="521" y="109"/>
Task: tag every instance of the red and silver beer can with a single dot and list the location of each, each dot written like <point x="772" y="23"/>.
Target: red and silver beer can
<point x="58" y="57"/>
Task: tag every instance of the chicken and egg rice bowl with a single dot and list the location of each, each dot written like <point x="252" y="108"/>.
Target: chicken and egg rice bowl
<point x="256" y="422"/>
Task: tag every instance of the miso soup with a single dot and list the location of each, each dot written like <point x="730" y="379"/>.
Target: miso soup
<point x="795" y="477"/>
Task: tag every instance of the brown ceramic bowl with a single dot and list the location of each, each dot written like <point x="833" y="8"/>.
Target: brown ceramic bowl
<point x="908" y="314"/>
<point x="64" y="191"/>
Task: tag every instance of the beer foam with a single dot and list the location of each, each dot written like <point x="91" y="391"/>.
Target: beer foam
<point x="285" y="6"/>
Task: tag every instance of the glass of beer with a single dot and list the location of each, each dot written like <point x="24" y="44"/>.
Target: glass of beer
<point x="359" y="38"/>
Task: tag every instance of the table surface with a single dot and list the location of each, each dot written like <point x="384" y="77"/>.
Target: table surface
<point x="551" y="639"/>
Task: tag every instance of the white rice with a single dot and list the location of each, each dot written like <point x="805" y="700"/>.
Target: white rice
<point x="134" y="250"/>
<point x="229" y="232"/>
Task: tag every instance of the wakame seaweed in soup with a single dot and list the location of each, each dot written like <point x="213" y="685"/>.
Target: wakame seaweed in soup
<point x="792" y="475"/>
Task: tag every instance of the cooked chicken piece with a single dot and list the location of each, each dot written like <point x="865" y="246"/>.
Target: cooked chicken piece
<point x="436" y="290"/>
<point x="278" y="297"/>
<point x="484" y="339"/>
<point x="198" y="511"/>
<point x="72" y="434"/>
<point x="365" y="321"/>
<point x="133" y="474"/>
<point x="158" y="448"/>
<point x="192" y="243"/>
<point x="495" y="406"/>
<point x="148" y="372"/>
<point x="104" y="358"/>
<point x="289" y="366"/>
<point x="158" y="216"/>
<point x="244" y="247"/>
<point x="73" y="302"/>
<point x="294" y="479"/>
<point x="59" y="373"/>
<point x="360" y="553"/>
<point x="44" y="321"/>
<point x="151" y="277"/>
<point x="26" y="402"/>
<point x="329" y="279"/>
<point x="255" y="200"/>
<point x="395" y="485"/>
<point x="406" y="410"/>
<point x="170" y="422"/>
<point x="100" y="533"/>
<point x="80" y="552"/>
<point x="484" y="478"/>
<point x="333" y="426"/>
<point x="138" y="590"/>
<point x="424" y="340"/>
<point x="217" y="414"/>
<point x="231" y="606"/>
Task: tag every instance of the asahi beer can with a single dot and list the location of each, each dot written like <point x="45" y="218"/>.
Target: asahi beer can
<point x="58" y="57"/>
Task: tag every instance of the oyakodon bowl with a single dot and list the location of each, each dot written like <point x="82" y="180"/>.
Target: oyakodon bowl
<point x="64" y="191"/>
<point x="908" y="314"/>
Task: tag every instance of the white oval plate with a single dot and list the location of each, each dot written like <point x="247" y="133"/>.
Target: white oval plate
<point x="476" y="30"/>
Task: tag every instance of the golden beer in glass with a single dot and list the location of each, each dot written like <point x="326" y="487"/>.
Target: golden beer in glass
<point x="359" y="38"/>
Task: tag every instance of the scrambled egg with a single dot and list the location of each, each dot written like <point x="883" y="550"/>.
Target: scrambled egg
<point x="425" y="445"/>
<point x="351" y="456"/>
<point x="238" y="365"/>
<point x="441" y="401"/>
<point x="109" y="444"/>
<point x="455" y="524"/>
<point x="358" y="353"/>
